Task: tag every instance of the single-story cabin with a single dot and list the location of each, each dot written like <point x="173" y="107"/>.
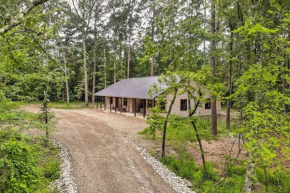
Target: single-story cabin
<point x="131" y="95"/>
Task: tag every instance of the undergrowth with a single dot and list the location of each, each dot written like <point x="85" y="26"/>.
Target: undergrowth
<point x="185" y="167"/>
<point x="27" y="163"/>
<point x="180" y="135"/>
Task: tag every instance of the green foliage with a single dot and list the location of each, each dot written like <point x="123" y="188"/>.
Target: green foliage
<point x="276" y="180"/>
<point x="51" y="168"/>
<point x="22" y="164"/>
<point x="5" y="104"/>
<point x="266" y="125"/>
<point x="19" y="166"/>
<point x="27" y="164"/>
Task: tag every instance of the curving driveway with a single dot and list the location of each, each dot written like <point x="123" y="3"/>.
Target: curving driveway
<point x="102" y="148"/>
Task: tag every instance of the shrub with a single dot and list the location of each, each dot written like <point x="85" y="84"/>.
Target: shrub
<point x="26" y="163"/>
<point x="277" y="181"/>
<point x="51" y="169"/>
<point x="19" y="167"/>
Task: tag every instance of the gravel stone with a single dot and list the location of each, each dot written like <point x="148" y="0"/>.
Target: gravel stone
<point x="177" y="183"/>
<point x="66" y="182"/>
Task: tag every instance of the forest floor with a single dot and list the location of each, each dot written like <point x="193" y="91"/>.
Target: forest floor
<point x="102" y="148"/>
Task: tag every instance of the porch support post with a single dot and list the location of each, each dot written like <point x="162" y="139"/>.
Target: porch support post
<point x="135" y="109"/>
<point x="121" y="105"/>
<point x="99" y="99"/>
<point x="144" y="108"/>
<point x="105" y="100"/>
<point x="115" y="104"/>
<point x="97" y="102"/>
<point x="111" y="104"/>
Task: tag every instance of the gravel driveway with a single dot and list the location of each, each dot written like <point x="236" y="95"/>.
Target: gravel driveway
<point x="102" y="148"/>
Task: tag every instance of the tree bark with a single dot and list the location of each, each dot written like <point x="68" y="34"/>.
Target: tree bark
<point x="105" y="69"/>
<point x="66" y="77"/>
<point x="128" y="65"/>
<point x="212" y="63"/>
<point x="152" y="65"/>
<point x="200" y="145"/>
<point x="249" y="178"/>
<point x="152" y="40"/>
<point x="95" y="61"/>
<point x="94" y="76"/>
<point x="85" y="70"/>
<point x="115" y="72"/>
<point x="165" y="123"/>
<point x="229" y="101"/>
<point x="190" y="114"/>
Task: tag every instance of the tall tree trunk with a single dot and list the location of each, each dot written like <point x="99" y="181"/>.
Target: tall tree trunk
<point x="152" y="40"/>
<point x="66" y="79"/>
<point x="212" y="63"/>
<point x="115" y="71"/>
<point x="128" y="65"/>
<point x="95" y="61"/>
<point x="229" y="101"/>
<point x="66" y="75"/>
<point x="152" y="65"/>
<point x="62" y="95"/>
<point x="105" y="69"/>
<point x="204" y="25"/>
<point x="120" y="62"/>
<point x="165" y="123"/>
<point x="85" y="70"/>
<point x="94" y="75"/>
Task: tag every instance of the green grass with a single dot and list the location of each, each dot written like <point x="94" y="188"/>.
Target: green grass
<point x="59" y="104"/>
<point x="184" y="132"/>
<point x="72" y="105"/>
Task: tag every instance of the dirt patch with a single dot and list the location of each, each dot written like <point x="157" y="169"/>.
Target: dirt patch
<point x="217" y="151"/>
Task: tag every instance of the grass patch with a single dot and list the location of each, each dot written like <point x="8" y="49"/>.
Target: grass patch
<point x="72" y="105"/>
<point x="184" y="132"/>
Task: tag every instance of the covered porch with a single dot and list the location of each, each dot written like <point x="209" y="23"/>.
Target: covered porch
<point x="129" y="106"/>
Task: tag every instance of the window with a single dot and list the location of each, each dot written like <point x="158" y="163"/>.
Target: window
<point x="125" y="102"/>
<point x="150" y="104"/>
<point x="111" y="100"/>
<point x="183" y="104"/>
<point x="207" y="104"/>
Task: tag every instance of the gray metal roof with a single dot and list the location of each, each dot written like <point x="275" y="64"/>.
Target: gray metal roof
<point x="131" y="88"/>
